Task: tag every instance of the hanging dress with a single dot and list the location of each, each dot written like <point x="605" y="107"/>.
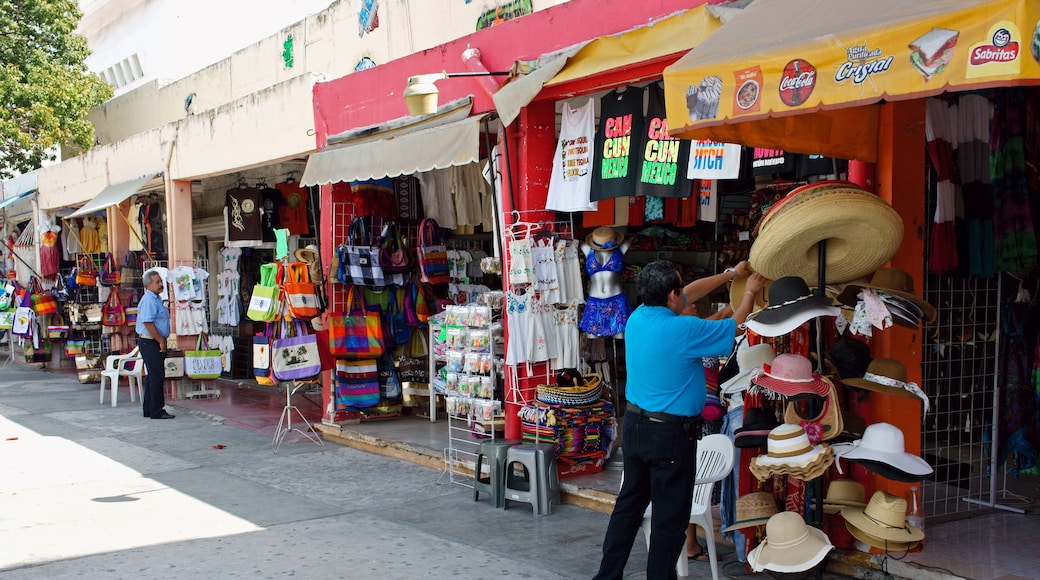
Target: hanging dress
<point x="88" y="236"/>
<point x="516" y="316"/>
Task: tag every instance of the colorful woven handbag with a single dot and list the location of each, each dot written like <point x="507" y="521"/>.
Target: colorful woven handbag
<point x="394" y="254"/>
<point x="359" y="259"/>
<point x="356" y="334"/>
<point x="433" y="255"/>
<point x="113" y="313"/>
<point x="357" y="384"/>
<point x="43" y="301"/>
<point x="86" y="273"/>
<point x="110" y="274"/>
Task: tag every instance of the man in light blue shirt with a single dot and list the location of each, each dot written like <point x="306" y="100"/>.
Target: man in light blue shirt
<point x="153" y="326"/>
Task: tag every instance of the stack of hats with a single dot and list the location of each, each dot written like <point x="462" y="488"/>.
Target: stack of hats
<point x="572" y="388"/>
<point x="882" y="523"/>
<point x="748" y="359"/>
<point x="790" y="375"/>
<point x="758" y="422"/>
<point x="791" y="304"/>
<point x="895" y="288"/>
<point x="861" y="230"/>
<point x="790" y="545"/>
<point x="789" y="452"/>
<point x="579" y="433"/>
<point x="882" y="451"/>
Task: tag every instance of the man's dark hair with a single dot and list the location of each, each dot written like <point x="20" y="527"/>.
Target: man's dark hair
<point x="656" y="281"/>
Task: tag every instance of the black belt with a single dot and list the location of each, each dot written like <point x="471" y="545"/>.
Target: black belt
<point x="139" y="337"/>
<point x="661" y="417"/>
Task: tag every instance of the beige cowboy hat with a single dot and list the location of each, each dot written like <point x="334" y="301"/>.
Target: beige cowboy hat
<point x="842" y="493"/>
<point x="312" y="257"/>
<point x="753" y="509"/>
<point x="604" y="238"/>
<point x="736" y="294"/>
<point x="891" y="281"/>
<point x="862" y="232"/>
<point x="882" y="521"/>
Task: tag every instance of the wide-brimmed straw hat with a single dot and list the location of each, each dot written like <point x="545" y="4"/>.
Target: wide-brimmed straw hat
<point x="312" y="257"/>
<point x="883" y="443"/>
<point x="789" y="375"/>
<point x="842" y="493"/>
<point x="882" y="520"/>
<point x="791" y="303"/>
<point x="758" y="423"/>
<point x="862" y="232"/>
<point x="885" y="375"/>
<point x="753" y="509"/>
<point x="890" y="281"/>
<point x="790" y="545"/>
<point x="748" y="359"/>
<point x="789" y="452"/>
<point x="604" y="238"/>
<point x="736" y="294"/>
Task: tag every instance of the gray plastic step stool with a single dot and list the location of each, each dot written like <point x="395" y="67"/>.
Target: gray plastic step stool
<point x="540" y="483"/>
<point x="494" y="484"/>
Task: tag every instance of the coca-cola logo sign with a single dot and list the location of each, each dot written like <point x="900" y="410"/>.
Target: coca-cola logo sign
<point x="797" y="82"/>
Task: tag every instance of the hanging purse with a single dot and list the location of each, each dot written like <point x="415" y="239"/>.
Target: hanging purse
<point x="295" y="356"/>
<point x="6" y="319"/>
<point x="394" y="254"/>
<point x="203" y="363"/>
<point x="397" y="322"/>
<point x="132" y="271"/>
<point x="262" y="353"/>
<point x="357" y="384"/>
<point x="113" y="313"/>
<point x="413" y="365"/>
<point x="110" y="275"/>
<point x="86" y="273"/>
<point x="43" y="301"/>
<point x="825" y="426"/>
<point x="265" y="304"/>
<point x="173" y="366"/>
<point x="358" y="259"/>
<point x="24" y="317"/>
<point x="300" y="293"/>
<point x="131" y="309"/>
<point x="425" y="303"/>
<point x="433" y="255"/>
<point x="357" y="333"/>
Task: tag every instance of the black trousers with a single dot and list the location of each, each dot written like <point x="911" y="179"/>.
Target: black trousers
<point x="154" y="401"/>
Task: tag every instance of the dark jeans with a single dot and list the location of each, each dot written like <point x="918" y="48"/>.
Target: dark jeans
<point x="153" y="401"/>
<point x="660" y="465"/>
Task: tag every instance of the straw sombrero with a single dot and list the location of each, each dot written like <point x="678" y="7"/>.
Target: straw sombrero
<point x="862" y="232"/>
<point x="882" y="520"/>
<point x="753" y="509"/>
<point x="604" y="238"/>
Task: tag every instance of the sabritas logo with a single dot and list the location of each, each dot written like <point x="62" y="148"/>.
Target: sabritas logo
<point x="1002" y="48"/>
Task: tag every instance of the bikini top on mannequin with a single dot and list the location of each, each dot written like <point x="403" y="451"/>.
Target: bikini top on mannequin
<point x="614" y="264"/>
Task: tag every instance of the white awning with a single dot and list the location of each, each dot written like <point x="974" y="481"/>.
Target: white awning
<point x="449" y="145"/>
<point x="112" y="195"/>
<point x="11" y="200"/>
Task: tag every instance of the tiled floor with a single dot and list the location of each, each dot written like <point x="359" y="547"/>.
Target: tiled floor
<point x="997" y="545"/>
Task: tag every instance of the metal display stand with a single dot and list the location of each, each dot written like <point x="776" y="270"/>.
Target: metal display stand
<point x="285" y="421"/>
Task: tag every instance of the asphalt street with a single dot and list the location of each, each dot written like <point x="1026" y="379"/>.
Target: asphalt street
<point x="92" y="491"/>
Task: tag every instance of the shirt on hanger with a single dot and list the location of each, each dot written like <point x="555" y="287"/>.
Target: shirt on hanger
<point x="292" y="213"/>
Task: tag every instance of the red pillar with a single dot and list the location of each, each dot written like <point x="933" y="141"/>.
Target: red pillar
<point x="530" y="143"/>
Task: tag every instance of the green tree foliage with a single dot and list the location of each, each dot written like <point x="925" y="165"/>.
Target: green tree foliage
<point x="45" y="88"/>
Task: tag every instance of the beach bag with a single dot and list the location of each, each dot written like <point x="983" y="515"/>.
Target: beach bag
<point x="57" y="332"/>
<point x="300" y="293"/>
<point x="131" y="310"/>
<point x="113" y="313"/>
<point x="425" y="303"/>
<point x="397" y="322"/>
<point x="358" y="259"/>
<point x="357" y="384"/>
<point x="43" y="301"/>
<point x="203" y="363"/>
<point x="265" y="304"/>
<point x="86" y="273"/>
<point x="356" y="334"/>
<point x="394" y="255"/>
<point x="389" y="382"/>
<point x="85" y="315"/>
<point x="433" y="256"/>
<point x="262" y="353"/>
<point x="23" y="317"/>
<point x="413" y="365"/>
<point x="132" y="272"/>
<point x="173" y="366"/>
<point x="6" y="319"/>
<point x="6" y="296"/>
<point x="294" y="355"/>
<point x="110" y="275"/>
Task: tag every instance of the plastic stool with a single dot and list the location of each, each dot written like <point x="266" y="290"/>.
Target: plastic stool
<point x="494" y="451"/>
<point x="540" y="484"/>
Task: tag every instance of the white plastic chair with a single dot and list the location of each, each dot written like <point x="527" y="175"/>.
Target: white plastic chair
<point x="715" y="455"/>
<point x="129" y="365"/>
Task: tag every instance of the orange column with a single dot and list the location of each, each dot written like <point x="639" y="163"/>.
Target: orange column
<point x="179" y="232"/>
<point x="900" y="178"/>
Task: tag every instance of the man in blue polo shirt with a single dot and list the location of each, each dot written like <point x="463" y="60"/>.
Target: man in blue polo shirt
<point x="665" y="389"/>
<point x="153" y="326"/>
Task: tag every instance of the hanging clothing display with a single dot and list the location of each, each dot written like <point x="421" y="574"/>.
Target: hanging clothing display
<point x="292" y="212"/>
<point x="151" y="218"/>
<point x="70" y="246"/>
<point x="570" y="183"/>
<point x="663" y="159"/>
<point x="271" y="200"/>
<point x="50" y="252"/>
<point x="88" y="236"/>
<point x="242" y="223"/>
<point x="617" y="142"/>
<point x="1015" y="244"/>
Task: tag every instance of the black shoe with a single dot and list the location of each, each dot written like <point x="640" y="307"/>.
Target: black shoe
<point x="164" y="415"/>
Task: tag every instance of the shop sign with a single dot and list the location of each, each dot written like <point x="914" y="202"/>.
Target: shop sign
<point x="797" y="82"/>
<point x="862" y="63"/>
<point x="998" y="54"/>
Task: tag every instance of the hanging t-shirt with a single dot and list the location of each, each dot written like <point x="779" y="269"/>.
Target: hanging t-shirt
<point x="770" y="161"/>
<point x="242" y="218"/>
<point x="662" y="158"/>
<point x="714" y="160"/>
<point x="570" y="183"/>
<point x="292" y="213"/>
<point x="181" y="279"/>
<point x="617" y="141"/>
<point x="270" y="200"/>
<point x="229" y="258"/>
<point x="809" y="165"/>
<point x="198" y="283"/>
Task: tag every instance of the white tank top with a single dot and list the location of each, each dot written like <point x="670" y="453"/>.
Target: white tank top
<point x="570" y="185"/>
